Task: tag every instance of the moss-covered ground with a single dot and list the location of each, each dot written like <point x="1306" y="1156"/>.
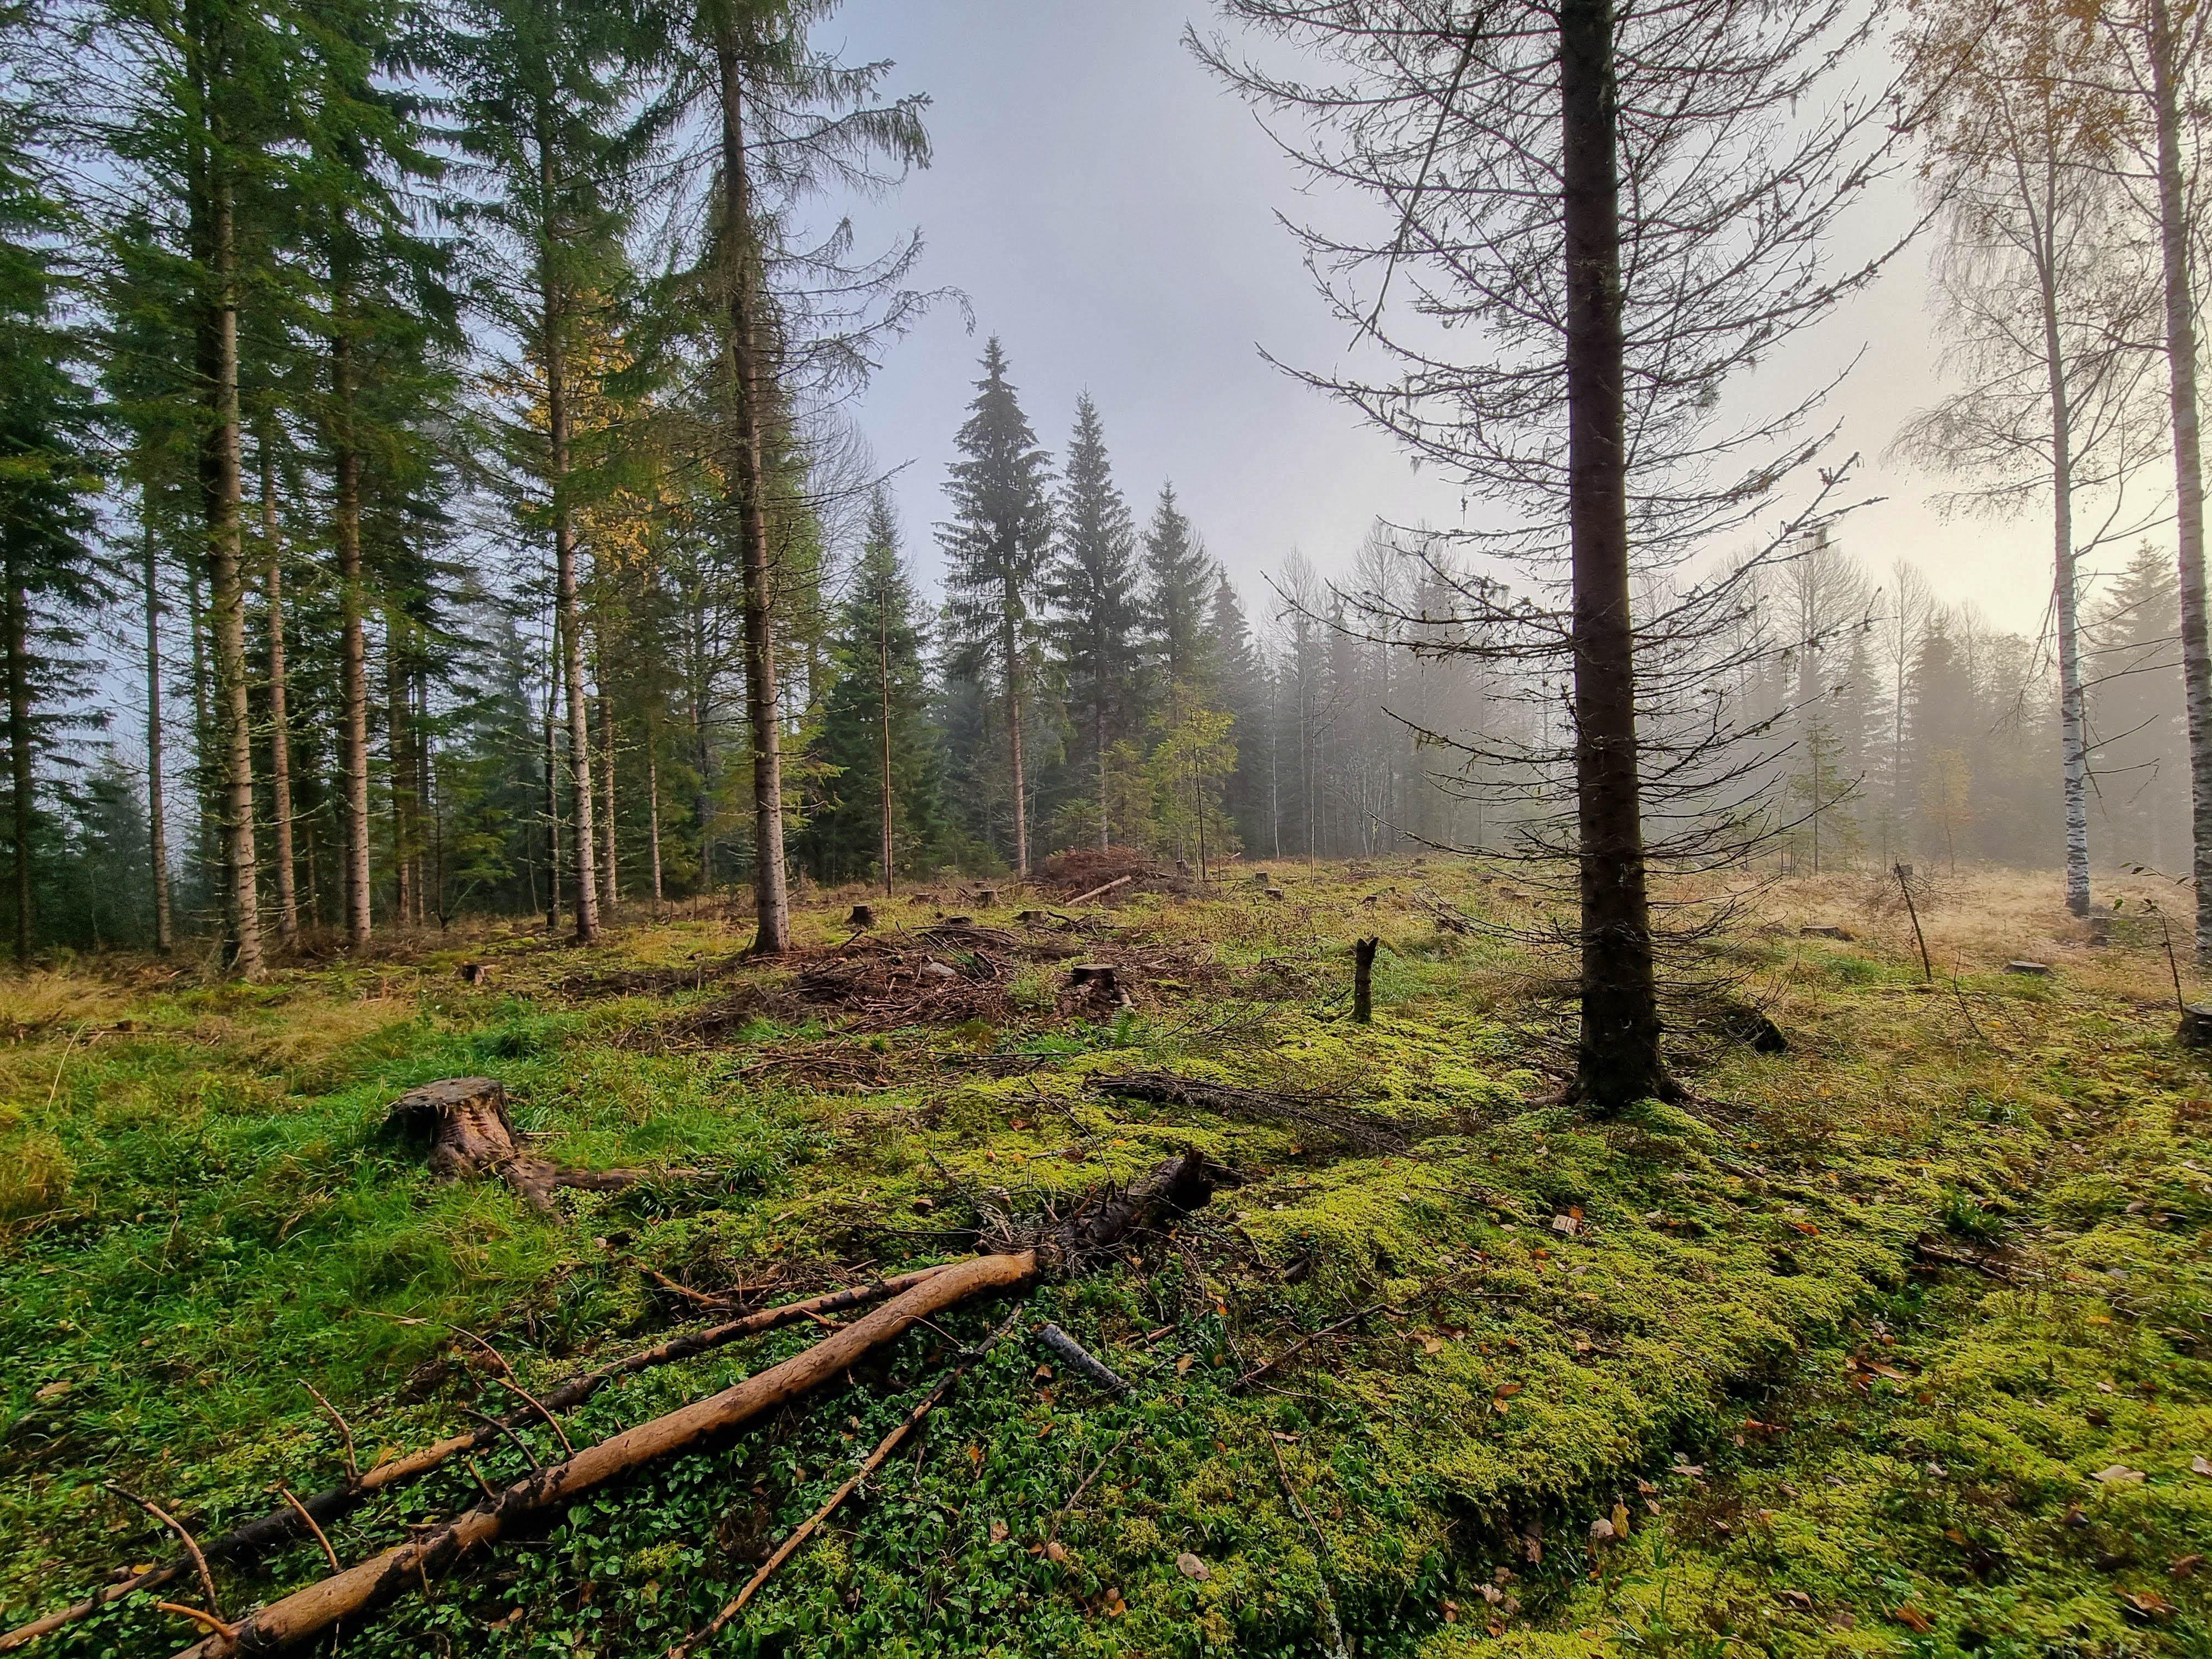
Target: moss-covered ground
<point x="1896" y="1342"/>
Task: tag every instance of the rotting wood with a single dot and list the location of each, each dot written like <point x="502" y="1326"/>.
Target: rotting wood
<point x="885" y="1447"/>
<point x="1083" y="1363"/>
<point x="1363" y="979"/>
<point x="1055" y="1246"/>
<point x="472" y="1137"/>
<point x="1369" y="1130"/>
<point x="280" y="1526"/>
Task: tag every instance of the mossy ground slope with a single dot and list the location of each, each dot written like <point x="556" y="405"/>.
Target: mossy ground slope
<point x="1729" y="1331"/>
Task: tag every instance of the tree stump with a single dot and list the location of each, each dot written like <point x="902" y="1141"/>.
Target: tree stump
<point x="1824" y="933"/>
<point x="1033" y="918"/>
<point x="2196" y="1029"/>
<point x="1099" y="979"/>
<point x="986" y="896"/>
<point x="471" y="1138"/>
<point x="1277" y="894"/>
<point x="2040" y="970"/>
<point x="864" y="915"/>
<point x="476" y="973"/>
<point x="1363" y="979"/>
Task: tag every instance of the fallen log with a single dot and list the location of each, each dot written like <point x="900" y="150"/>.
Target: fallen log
<point x="277" y="1527"/>
<point x="464" y="1120"/>
<point x="1053" y="1246"/>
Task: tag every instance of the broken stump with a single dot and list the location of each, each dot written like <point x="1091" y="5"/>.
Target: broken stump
<point x="476" y="973"/>
<point x="464" y="1120"/>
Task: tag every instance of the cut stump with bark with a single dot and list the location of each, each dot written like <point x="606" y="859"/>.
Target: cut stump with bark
<point x="2194" y="1030"/>
<point x="471" y="1138"/>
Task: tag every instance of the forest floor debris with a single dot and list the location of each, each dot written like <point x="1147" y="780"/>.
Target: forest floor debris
<point x="1897" y="1342"/>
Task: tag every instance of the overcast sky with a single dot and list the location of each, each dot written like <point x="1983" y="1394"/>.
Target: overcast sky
<point x="1109" y="211"/>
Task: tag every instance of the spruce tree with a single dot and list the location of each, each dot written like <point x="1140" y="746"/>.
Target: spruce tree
<point x="1092" y="591"/>
<point x="47" y="565"/>
<point x="549" y="103"/>
<point x="886" y="811"/>
<point x="1179" y="584"/>
<point x="995" y="547"/>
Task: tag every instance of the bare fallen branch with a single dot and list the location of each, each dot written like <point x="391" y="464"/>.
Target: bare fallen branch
<point x="279" y="1526"/>
<point x="1181" y="1183"/>
<point x="1081" y="1360"/>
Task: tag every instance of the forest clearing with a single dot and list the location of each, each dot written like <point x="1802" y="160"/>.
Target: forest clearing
<point x="739" y="925"/>
<point x="1890" y="1342"/>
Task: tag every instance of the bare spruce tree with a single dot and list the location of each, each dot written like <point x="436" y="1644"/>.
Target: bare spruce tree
<point x="1596" y="219"/>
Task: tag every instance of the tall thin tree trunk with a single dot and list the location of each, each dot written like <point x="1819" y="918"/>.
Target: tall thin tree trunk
<point x="552" y="818"/>
<point x="2073" y="726"/>
<point x="157" y="814"/>
<point x="652" y="804"/>
<point x="353" y="647"/>
<point x="1619" y="1061"/>
<point x="1098" y="736"/>
<point x="771" y="901"/>
<point x="280" y="735"/>
<point x="1011" y="647"/>
<point x="2174" y="231"/>
<point x="420" y="803"/>
<point x="224" y="495"/>
<point x="18" y="749"/>
<point x="610" y="878"/>
<point x="400" y="765"/>
<point x="884" y="689"/>
<point x="569" y="624"/>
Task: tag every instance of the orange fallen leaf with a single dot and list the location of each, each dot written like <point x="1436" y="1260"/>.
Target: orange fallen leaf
<point x="1913" y="1620"/>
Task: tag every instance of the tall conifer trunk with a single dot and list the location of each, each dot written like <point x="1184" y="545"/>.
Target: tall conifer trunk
<point x="2174" y="232"/>
<point x="552" y="818"/>
<point x="1011" y="647"/>
<point x="19" y="751"/>
<point x="652" y="805"/>
<point x="353" y="644"/>
<point x="568" y="622"/>
<point x="609" y="877"/>
<point x="280" y="736"/>
<point x="883" y="693"/>
<point x="157" y="815"/>
<point x="223" y="495"/>
<point x="400" y="764"/>
<point x="747" y="474"/>
<point x="1619" y="1060"/>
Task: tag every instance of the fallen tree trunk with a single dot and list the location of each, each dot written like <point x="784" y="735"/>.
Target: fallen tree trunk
<point x="280" y="1526"/>
<point x="1059" y="1245"/>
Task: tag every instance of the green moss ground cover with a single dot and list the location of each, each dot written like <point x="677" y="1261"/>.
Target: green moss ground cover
<point x="1729" y="1328"/>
